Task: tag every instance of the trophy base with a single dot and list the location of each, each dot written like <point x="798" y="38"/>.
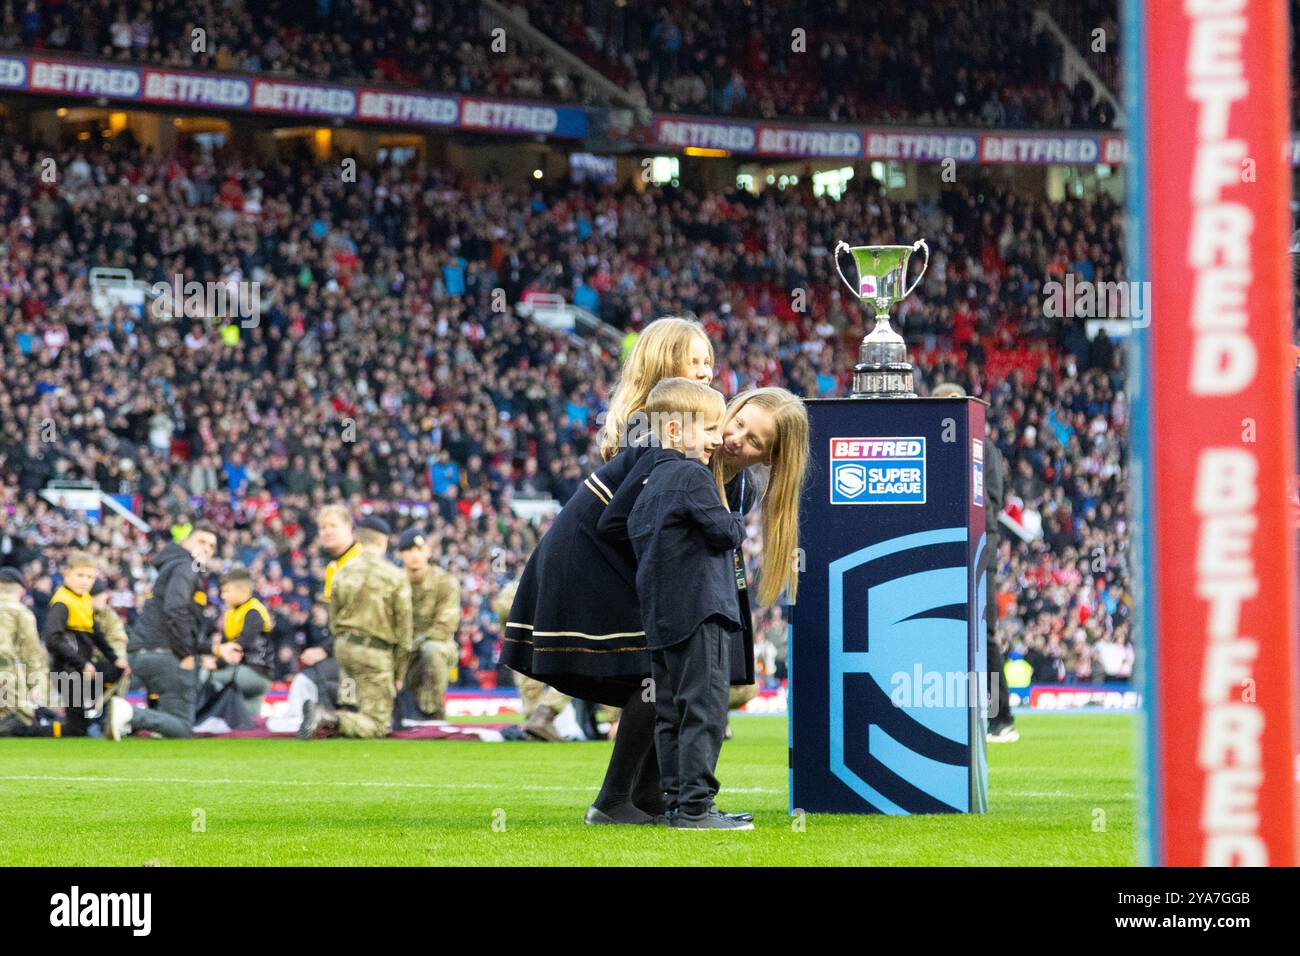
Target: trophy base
<point x="882" y="381"/>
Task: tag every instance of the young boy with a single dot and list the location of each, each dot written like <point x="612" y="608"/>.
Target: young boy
<point x="72" y="639"/>
<point x="244" y="653"/>
<point x="683" y="536"/>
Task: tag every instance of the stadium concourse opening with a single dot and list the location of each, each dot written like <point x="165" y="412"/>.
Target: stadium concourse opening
<point x="536" y="158"/>
<point x="261" y="139"/>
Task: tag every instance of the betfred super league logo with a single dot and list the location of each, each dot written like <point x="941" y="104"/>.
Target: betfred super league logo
<point x="875" y="471"/>
<point x="850" y="479"/>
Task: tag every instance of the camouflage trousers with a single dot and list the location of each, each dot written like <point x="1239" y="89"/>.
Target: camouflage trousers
<point x="428" y="671"/>
<point x="367" y="682"/>
<point x="14" y="693"/>
<point x="535" y="694"/>
<point x="738" y="695"/>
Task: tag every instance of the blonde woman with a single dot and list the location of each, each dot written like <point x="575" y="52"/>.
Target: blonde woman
<point x="763" y="461"/>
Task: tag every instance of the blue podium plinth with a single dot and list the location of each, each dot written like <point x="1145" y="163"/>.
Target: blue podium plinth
<point x="888" y="663"/>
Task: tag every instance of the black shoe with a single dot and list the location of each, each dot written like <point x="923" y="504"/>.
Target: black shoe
<point x="309" y="719"/>
<point x="713" y="820"/>
<point x="1003" y="733"/>
<point x="541" y="725"/>
<point x="624" y="814"/>
<point x="318" y="721"/>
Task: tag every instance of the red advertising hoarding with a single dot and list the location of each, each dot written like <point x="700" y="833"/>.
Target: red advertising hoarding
<point x="1214" y="431"/>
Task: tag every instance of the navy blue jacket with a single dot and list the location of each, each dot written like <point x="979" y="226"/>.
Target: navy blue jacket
<point x="683" y="537"/>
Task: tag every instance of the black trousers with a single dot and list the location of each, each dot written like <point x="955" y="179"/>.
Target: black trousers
<point x="325" y="675"/>
<point x="691" y="681"/>
<point x="82" y="691"/>
<point x="999" y="708"/>
<point x="999" y="705"/>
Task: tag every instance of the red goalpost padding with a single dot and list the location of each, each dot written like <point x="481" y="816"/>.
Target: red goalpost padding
<point x="1213" y="432"/>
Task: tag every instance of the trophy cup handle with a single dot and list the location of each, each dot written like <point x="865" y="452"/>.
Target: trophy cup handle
<point x="925" y="264"/>
<point x="843" y="246"/>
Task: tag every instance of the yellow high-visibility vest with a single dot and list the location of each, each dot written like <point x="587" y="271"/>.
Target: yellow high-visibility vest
<point x="352" y="551"/>
<point x="233" y="625"/>
<point x="81" y="615"/>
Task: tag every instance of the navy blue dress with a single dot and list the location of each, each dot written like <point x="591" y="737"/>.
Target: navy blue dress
<point x="576" y="622"/>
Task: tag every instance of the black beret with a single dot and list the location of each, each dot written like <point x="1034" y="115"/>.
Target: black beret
<point x="411" y="538"/>
<point x="11" y="576"/>
<point x="99" y="587"/>
<point x="375" y="523"/>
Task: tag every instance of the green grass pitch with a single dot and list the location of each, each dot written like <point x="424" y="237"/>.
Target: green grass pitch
<point x="1063" y="795"/>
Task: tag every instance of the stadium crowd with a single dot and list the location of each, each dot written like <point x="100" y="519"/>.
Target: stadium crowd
<point x="432" y="44"/>
<point x="379" y="373"/>
<point x="833" y="60"/>
<point x="888" y="67"/>
<point x="1081" y="19"/>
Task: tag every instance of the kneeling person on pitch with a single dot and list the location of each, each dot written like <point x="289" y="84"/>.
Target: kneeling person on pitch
<point x="24" y="669"/>
<point x="165" y="641"/>
<point x="370" y="618"/>
<point x="435" y="612"/>
<point x="683" y="535"/>
<point x="244" y="653"/>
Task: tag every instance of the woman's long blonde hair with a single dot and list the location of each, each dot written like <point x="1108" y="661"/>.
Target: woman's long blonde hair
<point x="779" y="515"/>
<point x="661" y="351"/>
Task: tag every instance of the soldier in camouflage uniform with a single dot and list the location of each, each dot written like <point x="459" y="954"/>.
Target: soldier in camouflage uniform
<point x="370" y="618"/>
<point x="23" y="665"/>
<point x="541" y="703"/>
<point x="435" y="610"/>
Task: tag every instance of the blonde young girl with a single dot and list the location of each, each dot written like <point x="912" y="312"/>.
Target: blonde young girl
<point x="575" y="622"/>
<point x="668" y="348"/>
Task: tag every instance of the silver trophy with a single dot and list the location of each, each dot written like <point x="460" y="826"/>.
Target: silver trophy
<point x="882" y="370"/>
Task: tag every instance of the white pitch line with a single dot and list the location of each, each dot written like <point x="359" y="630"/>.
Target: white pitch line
<point x="226" y="781"/>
